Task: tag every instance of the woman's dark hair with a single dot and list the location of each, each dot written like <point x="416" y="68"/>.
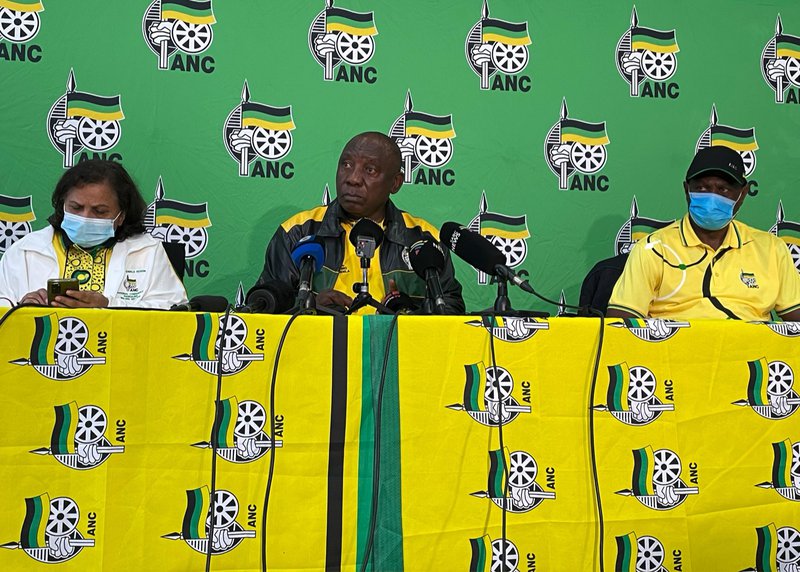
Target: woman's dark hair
<point x="91" y="171"/>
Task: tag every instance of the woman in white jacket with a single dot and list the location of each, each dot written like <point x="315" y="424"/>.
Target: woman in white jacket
<point x="96" y="235"/>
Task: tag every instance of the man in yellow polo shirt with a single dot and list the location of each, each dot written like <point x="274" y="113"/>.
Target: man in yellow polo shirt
<point x="707" y="265"/>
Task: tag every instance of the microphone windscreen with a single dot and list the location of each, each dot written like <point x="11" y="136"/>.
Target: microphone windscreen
<point x="471" y="247"/>
<point x="425" y="254"/>
<point x="271" y="297"/>
<point x="309" y="246"/>
<point x="217" y="304"/>
<point x="368" y="228"/>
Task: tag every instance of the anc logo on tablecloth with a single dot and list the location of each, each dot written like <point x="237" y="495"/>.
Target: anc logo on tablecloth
<point x="344" y="39"/>
<point x="181" y="28"/>
<point x="639" y="554"/>
<point x="19" y="24"/>
<point x="631" y="396"/>
<point x="785" y="470"/>
<point x="650" y="329"/>
<point x="780" y="65"/>
<point x="573" y="146"/>
<point x="80" y="120"/>
<point x="261" y="134"/>
<point x="647" y="58"/>
<point x="50" y="530"/>
<point x="206" y="345"/>
<point x="512" y="481"/>
<point x="498" y="49"/>
<point x="657" y="482"/>
<point x="238" y="431"/>
<point x="488" y="395"/>
<point x="169" y="220"/>
<point x="777" y="549"/>
<point x="789" y="231"/>
<point x="78" y="439"/>
<point x="58" y="348"/>
<point x="635" y="228"/>
<point x="508" y="233"/>
<point x="509" y="329"/>
<point x="425" y="140"/>
<point x="16" y="215"/>
<point x="227" y="533"/>
<point x="498" y="554"/>
<point x="743" y="141"/>
<point x="769" y="389"/>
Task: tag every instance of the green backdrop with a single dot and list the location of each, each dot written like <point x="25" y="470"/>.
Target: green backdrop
<point x="559" y="80"/>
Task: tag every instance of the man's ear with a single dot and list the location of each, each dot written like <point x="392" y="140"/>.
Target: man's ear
<point x="397" y="182"/>
<point x="740" y="200"/>
<point x="686" y="191"/>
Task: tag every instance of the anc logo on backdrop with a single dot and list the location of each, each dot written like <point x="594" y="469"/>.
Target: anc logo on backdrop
<point x="78" y="440"/>
<point x="508" y="328"/>
<point x="573" y="146"/>
<point x="631" y="396"/>
<point x="785" y="470"/>
<point x="647" y="56"/>
<point x="777" y="549"/>
<point x="499" y="554"/>
<point x="58" y="348"/>
<point x="224" y="509"/>
<point x="425" y="140"/>
<point x="769" y="389"/>
<point x="499" y="49"/>
<point x="650" y="329"/>
<point x="343" y="39"/>
<point x="743" y="141"/>
<point x="641" y="554"/>
<point x="181" y="28"/>
<point x="210" y="332"/>
<point x="512" y="481"/>
<point x="50" y="530"/>
<point x="657" y="482"/>
<point x="789" y="231"/>
<point x="508" y="233"/>
<point x="635" y="228"/>
<point x="80" y="120"/>
<point x="260" y="134"/>
<point x="488" y="395"/>
<point x="780" y="65"/>
<point x="237" y="433"/>
<point x="16" y="215"/>
<point x="19" y="24"/>
<point x="179" y="222"/>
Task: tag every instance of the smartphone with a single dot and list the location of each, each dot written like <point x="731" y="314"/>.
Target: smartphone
<point x="59" y="287"/>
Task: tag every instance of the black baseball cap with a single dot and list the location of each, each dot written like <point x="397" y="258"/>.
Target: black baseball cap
<point x="717" y="159"/>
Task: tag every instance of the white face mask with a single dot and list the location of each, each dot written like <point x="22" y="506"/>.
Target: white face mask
<point x="88" y="232"/>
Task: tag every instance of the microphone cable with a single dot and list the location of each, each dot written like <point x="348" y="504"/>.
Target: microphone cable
<point x="592" y="390"/>
<point x="213" y="501"/>
<point x="376" y="452"/>
<point x="271" y="470"/>
<point x="500" y="423"/>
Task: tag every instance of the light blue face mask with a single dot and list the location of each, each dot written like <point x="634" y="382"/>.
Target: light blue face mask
<point x="88" y="232"/>
<point x="710" y="210"/>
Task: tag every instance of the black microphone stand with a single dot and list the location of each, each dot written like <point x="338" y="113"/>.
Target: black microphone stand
<point x="365" y="250"/>
<point x="502" y="303"/>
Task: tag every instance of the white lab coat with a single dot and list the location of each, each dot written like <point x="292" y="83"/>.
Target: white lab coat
<point x="139" y="273"/>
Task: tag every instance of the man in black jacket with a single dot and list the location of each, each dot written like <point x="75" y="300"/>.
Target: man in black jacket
<point x="368" y="173"/>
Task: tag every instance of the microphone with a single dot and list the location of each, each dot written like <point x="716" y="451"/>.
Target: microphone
<point x="271" y="297"/>
<point x="478" y="252"/>
<point x="216" y="304"/>
<point x="366" y="235"/>
<point x="308" y="256"/>
<point x="427" y="260"/>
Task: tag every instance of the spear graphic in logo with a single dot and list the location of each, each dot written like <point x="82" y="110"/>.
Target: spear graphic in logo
<point x="494" y="44"/>
<point x="647" y="50"/>
<point x="572" y="144"/>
